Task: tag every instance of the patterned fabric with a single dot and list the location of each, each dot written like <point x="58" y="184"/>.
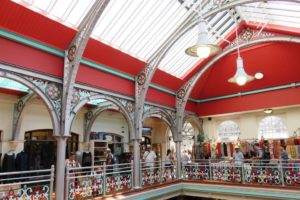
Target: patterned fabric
<point x="222" y="149"/>
<point x="219" y="153"/>
<point x="225" y="149"/>
<point x="231" y="149"/>
<point x="276" y="148"/>
<point x="213" y="151"/>
<point x="291" y="149"/>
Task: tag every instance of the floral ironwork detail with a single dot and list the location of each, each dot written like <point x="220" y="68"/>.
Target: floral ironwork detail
<point x="71" y="53"/>
<point x="53" y="91"/>
<point x="181" y="93"/>
<point x="246" y="34"/>
<point x="89" y="115"/>
<point x="141" y="78"/>
<point x="20" y="105"/>
<point x="75" y="97"/>
<point x="129" y="106"/>
<point x="28" y="193"/>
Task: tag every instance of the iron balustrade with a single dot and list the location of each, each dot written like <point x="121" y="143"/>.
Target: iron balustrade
<point x="106" y="180"/>
<point x="27" y="185"/>
<point x="98" y="181"/>
<point x="248" y="172"/>
<point x="155" y="173"/>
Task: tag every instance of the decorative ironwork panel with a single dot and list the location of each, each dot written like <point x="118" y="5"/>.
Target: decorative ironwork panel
<point x="26" y="192"/>
<point x="52" y="90"/>
<point x="86" y="187"/>
<point x="248" y="35"/>
<point x="118" y="183"/>
<point x="263" y="175"/>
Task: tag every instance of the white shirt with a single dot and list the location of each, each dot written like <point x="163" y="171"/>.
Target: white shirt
<point x="238" y="158"/>
<point x="185" y="158"/>
<point x="149" y="158"/>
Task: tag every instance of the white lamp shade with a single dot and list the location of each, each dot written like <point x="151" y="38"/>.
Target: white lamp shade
<point x="203" y="52"/>
<point x="203" y="48"/>
<point x="240" y="77"/>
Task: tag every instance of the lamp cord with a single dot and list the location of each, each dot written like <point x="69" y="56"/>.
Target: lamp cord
<point x="237" y="40"/>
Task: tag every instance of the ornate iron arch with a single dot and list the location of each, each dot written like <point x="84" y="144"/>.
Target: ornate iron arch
<point x="93" y="117"/>
<point x="195" y="119"/>
<point x="122" y="109"/>
<point x="50" y="107"/>
<point x="19" y="112"/>
<point x="184" y="92"/>
<point x="164" y="115"/>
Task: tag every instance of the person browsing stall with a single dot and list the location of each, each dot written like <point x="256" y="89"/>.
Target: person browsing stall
<point x="238" y="156"/>
<point x="149" y="157"/>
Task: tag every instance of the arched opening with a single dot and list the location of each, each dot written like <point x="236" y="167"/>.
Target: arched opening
<point x="107" y="124"/>
<point x="272" y="127"/>
<point x="158" y="129"/>
<point x="111" y="126"/>
<point x="40" y="146"/>
<point x="24" y="106"/>
<point x="228" y="131"/>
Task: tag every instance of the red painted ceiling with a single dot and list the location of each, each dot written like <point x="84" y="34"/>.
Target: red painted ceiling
<point x="278" y="61"/>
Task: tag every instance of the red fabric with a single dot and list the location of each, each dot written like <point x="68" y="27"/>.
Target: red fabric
<point x="219" y="153"/>
<point x="231" y="149"/>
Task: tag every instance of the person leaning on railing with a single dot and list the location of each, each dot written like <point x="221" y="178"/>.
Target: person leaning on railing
<point x="259" y="155"/>
<point x="284" y="157"/>
<point x="238" y="157"/>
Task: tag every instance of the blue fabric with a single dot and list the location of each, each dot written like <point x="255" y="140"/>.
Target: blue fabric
<point x="22" y="161"/>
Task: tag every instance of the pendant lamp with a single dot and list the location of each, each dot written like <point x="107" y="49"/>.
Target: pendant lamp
<point x="203" y="48"/>
<point x="240" y="77"/>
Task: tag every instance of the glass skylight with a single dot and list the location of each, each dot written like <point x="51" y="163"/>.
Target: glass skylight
<point x="12" y="85"/>
<point x="136" y="27"/>
<point x="140" y="27"/>
<point x="278" y="13"/>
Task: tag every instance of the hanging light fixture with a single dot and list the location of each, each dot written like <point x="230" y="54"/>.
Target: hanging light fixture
<point x="240" y="77"/>
<point x="203" y="48"/>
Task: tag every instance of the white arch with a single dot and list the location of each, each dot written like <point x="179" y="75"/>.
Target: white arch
<point x="101" y="96"/>
<point x="40" y="93"/>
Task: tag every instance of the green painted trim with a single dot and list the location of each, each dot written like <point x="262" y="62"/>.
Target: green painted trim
<point x="106" y="69"/>
<point x="163" y="89"/>
<point x="199" y="188"/>
<point x="30" y="42"/>
<point x="280" y="87"/>
<point x="57" y="52"/>
<point x="241" y="192"/>
<point x="159" y="193"/>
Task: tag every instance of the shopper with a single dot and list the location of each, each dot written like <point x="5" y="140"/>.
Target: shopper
<point x="110" y="161"/>
<point x="169" y="161"/>
<point x="238" y="157"/>
<point x="284" y="156"/>
<point x="259" y="155"/>
<point x="149" y="158"/>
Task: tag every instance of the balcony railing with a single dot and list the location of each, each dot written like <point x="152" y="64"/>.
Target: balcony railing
<point x="27" y="185"/>
<point x="98" y="181"/>
<point x="246" y="172"/>
<point x="106" y="180"/>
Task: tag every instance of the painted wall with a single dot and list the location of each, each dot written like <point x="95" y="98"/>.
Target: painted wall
<point x="249" y="122"/>
<point x="113" y="122"/>
<point x="159" y="132"/>
<point x="37" y="117"/>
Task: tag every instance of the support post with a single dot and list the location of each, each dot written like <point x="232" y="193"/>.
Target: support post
<point x="136" y="164"/>
<point x="178" y="163"/>
<point x="60" y="166"/>
<point x="51" y="181"/>
<point x="104" y="179"/>
<point x="132" y="175"/>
